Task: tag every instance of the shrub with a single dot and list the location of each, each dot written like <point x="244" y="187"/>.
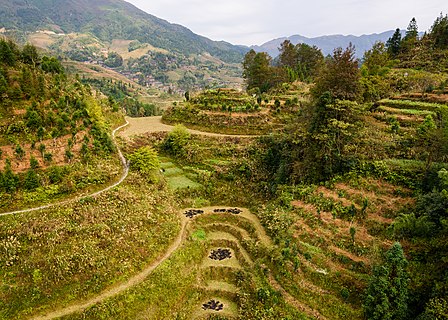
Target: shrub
<point x="176" y="140"/>
<point x="146" y="161"/>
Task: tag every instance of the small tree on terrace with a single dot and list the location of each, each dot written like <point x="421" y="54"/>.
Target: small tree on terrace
<point x="146" y="161"/>
<point x="176" y="140"/>
<point x="340" y="77"/>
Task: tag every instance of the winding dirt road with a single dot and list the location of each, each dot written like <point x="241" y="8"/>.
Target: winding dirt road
<point x="114" y="290"/>
<point x="50" y="205"/>
<point x="154" y="124"/>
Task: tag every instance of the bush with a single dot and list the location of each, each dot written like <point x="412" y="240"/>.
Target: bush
<point x="146" y="161"/>
<point x="176" y="140"/>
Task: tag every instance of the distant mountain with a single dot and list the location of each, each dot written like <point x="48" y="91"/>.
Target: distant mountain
<point x="328" y="43"/>
<point x="108" y="20"/>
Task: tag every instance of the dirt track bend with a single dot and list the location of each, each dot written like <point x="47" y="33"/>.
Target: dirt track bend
<point x="138" y="278"/>
<point x="154" y="124"/>
<point x="50" y="205"/>
<point x="114" y="290"/>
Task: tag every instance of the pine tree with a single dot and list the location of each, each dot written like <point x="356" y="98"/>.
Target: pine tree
<point x="387" y="293"/>
<point x="10" y="181"/>
<point x="31" y="180"/>
<point x="412" y="31"/>
<point x="394" y="44"/>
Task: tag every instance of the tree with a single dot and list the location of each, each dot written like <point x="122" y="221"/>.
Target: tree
<point x="51" y="65"/>
<point x="257" y="70"/>
<point x="114" y="60"/>
<point x="331" y="133"/>
<point x="30" y="55"/>
<point x="34" y="164"/>
<point x="176" y="140"/>
<point x="3" y="86"/>
<point x="393" y="44"/>
<point x="411" y="37"/>
<point x="20" y="153"/>
<point x="8" y="52"/>
<point x="31" y="180"/>
<point x="411" y="31"/>
<point x="146" y="161"/>
<point x="340" y="77"/>
<point x="10" y="181"/>
<point x="387" y="294"/>
<point x="309" y="61"/>
<point x="376" y="59"/>
<point x="439" y="32"/>
<point x="288" y="55"/>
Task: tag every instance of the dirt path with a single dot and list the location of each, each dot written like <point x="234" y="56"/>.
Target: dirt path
<point x="50" y="205"/>
<point x="138" y="278"/>
<point x="154" y="124"/>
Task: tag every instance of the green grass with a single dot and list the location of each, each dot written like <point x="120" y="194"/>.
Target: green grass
<point x="174" y="171"/>
<point x="409" y="104"/>
<point x="181" y="182"/>
<point x="408" y="111"/>
<point x="166" y="165"/>
<point x="177" y="178"/>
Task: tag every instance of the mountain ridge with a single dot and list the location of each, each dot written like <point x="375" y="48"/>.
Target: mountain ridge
<point x="111" y="19"/>
<point x="327" y="43"/>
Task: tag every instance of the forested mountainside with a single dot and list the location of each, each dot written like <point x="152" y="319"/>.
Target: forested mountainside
<point x="48" y="119"/>
<point x="108" y="20"/>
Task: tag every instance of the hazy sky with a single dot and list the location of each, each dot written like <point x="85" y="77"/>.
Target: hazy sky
<point x="251" y="22"/>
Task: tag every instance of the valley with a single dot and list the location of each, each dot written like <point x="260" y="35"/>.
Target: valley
<point x="147" y="172"/>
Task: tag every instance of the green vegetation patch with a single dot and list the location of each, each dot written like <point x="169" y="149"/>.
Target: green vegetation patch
<point x="182" y="182"/>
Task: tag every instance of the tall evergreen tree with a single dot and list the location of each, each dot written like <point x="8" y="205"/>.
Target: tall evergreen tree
<point x="387" y="294"/>
<point x="394" y="44"/>
<point x="412" y="31"/>
<point x="439" y="32"/>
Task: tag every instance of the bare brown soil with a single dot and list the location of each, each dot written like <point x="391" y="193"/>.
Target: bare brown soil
<point x="56" y="147"/>
<point x="139" y="126"/>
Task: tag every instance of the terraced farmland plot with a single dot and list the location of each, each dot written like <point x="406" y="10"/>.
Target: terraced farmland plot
<point x="182" y="286"/>
<point x="177" y="178"/>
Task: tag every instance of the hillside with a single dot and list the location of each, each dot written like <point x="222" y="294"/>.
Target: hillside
<point x="328" y="43"/>
<point x="320" y="192"/>
<point x="108" y="20"/>
<point x="54" y="131"/>
<point x="117" y="35"/>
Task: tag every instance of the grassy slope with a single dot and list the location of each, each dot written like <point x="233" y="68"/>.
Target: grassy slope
<point x="58" y="256"/>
